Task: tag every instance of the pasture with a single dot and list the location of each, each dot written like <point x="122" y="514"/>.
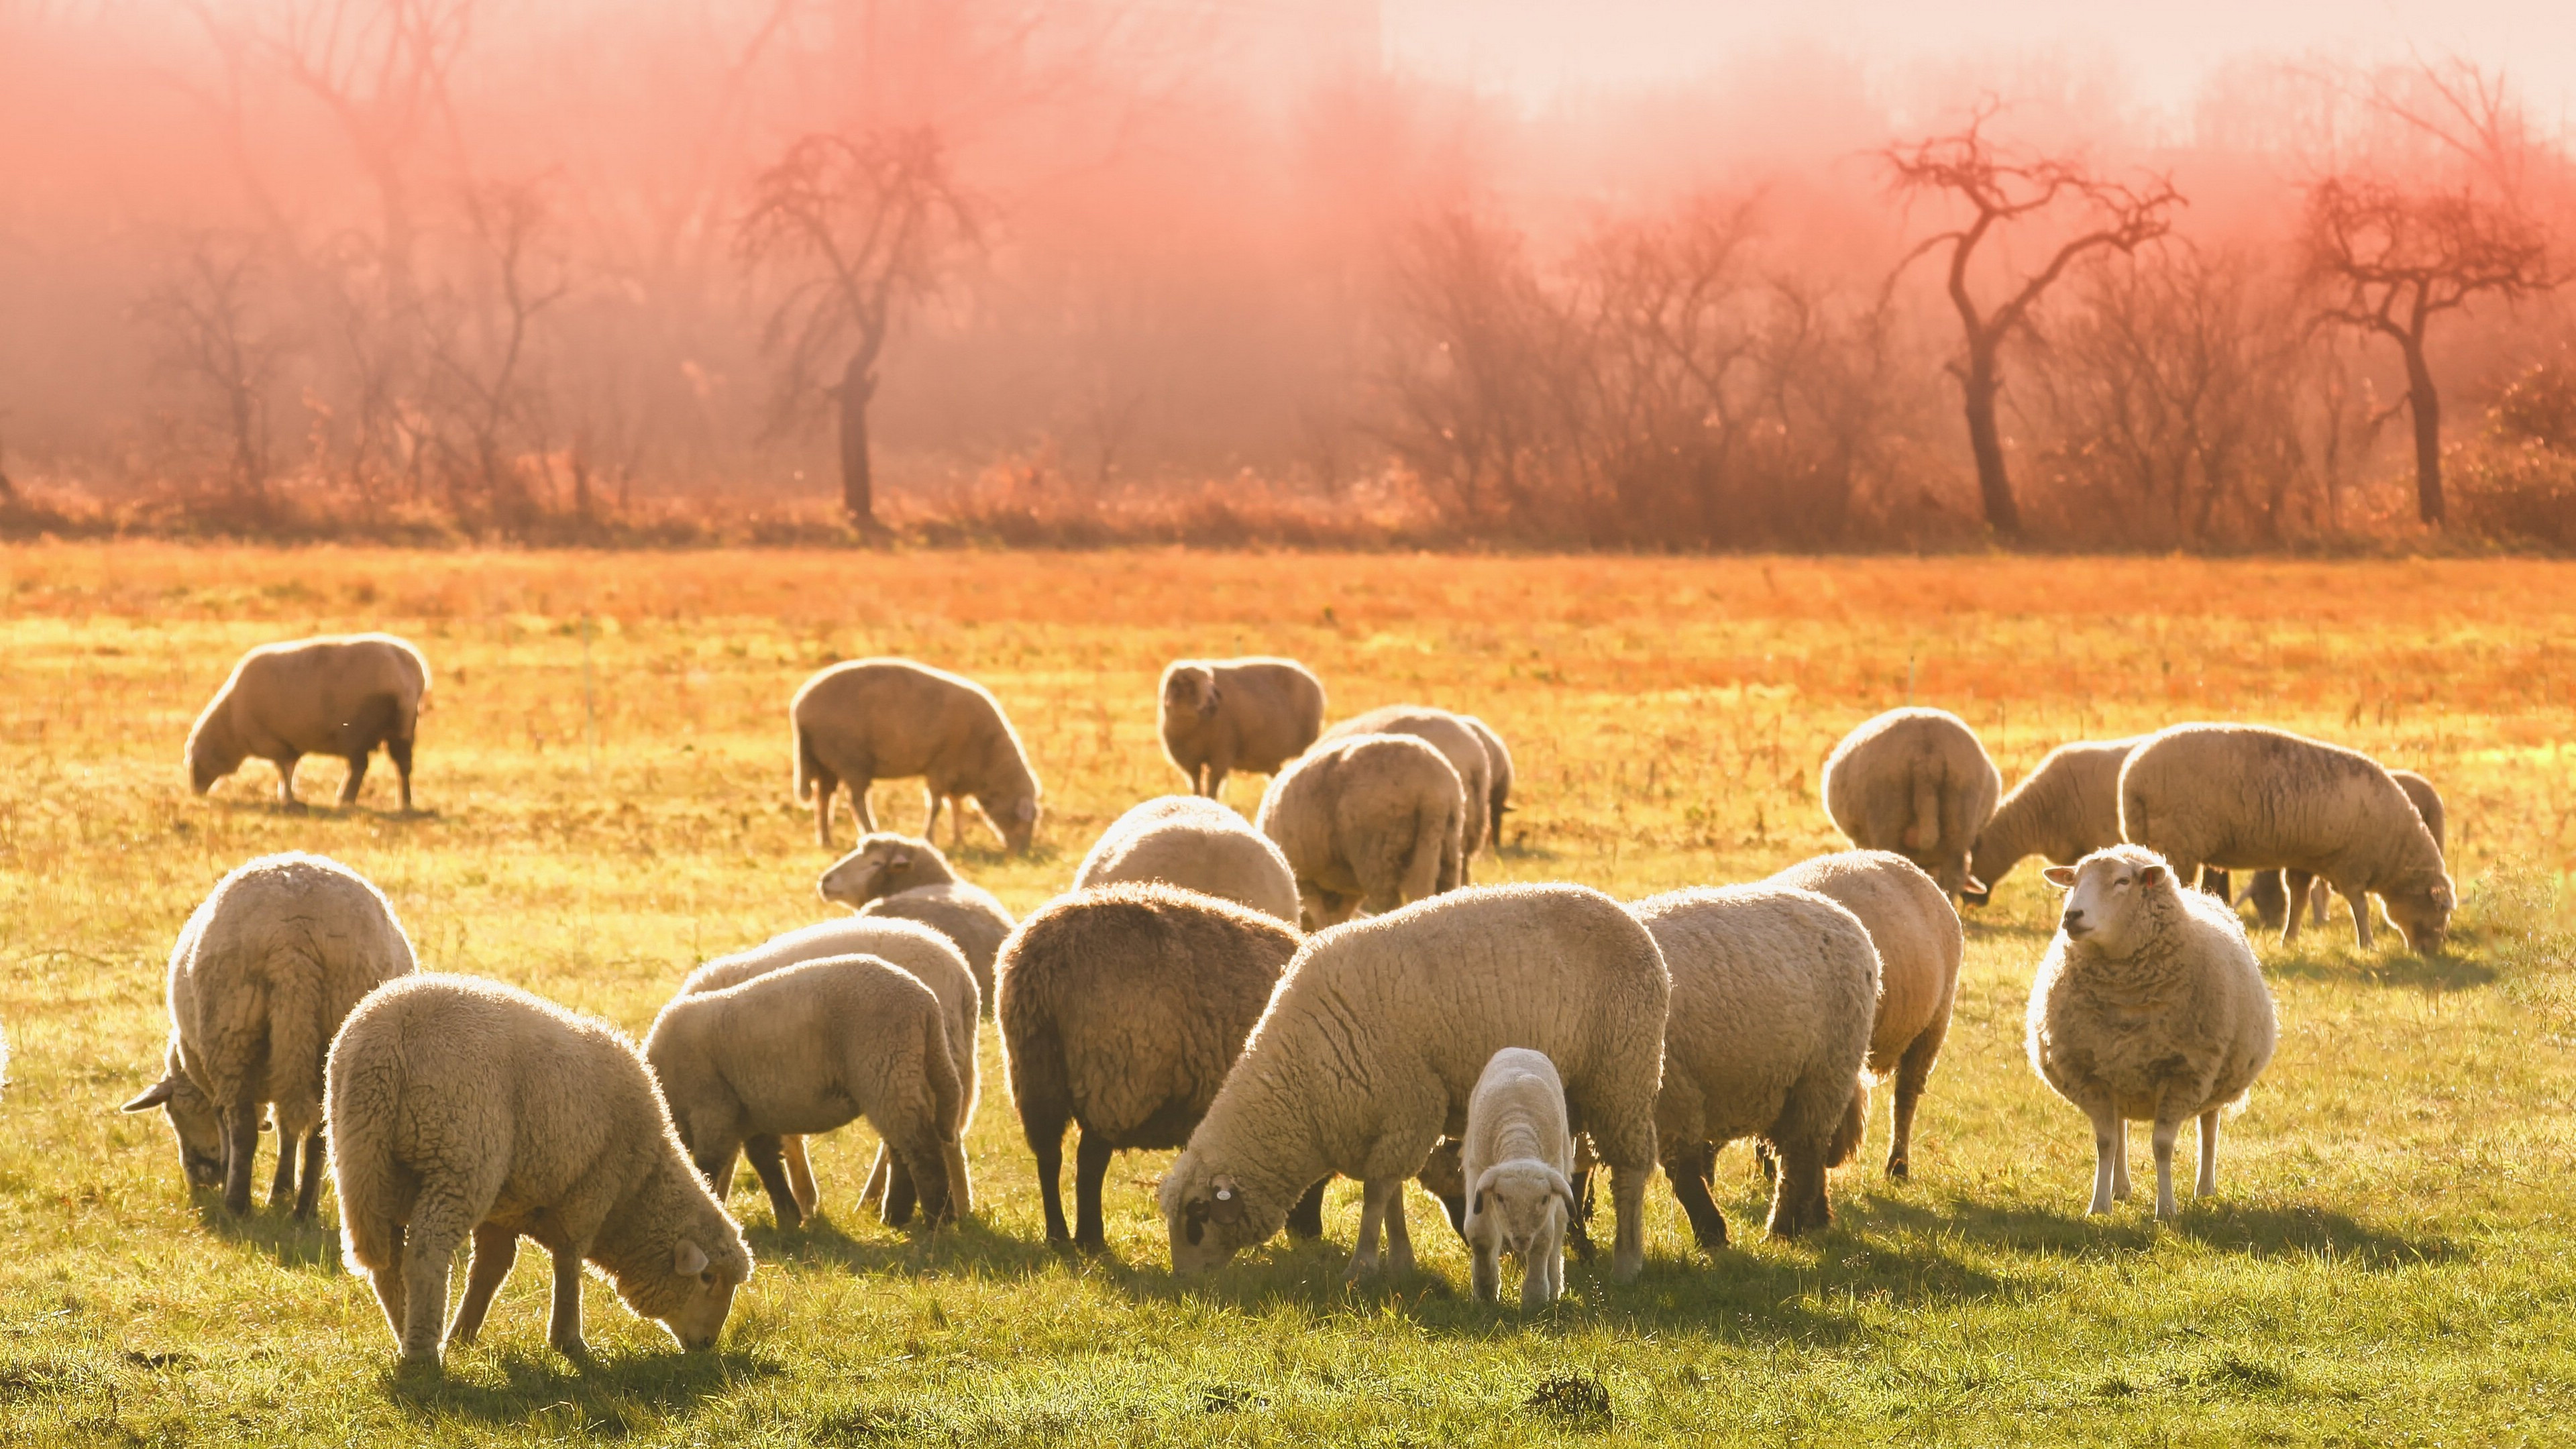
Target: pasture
<point x="603" y="770"/>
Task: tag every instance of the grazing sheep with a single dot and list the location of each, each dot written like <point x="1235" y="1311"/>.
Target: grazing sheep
<point x="2243" y="797"/>
<point x="805" y="1049"/>
<point x="1914" y="781"/>
<point x="914" y="947"/>
<point x="341" y="694"/>
<point x="1373" y="1043"/>
<point x="1370" y="821"/>
<point x="1773" y="994"/>
<point x="1917" y="936"/>
<point x="1198" y="845"/>
<point x="460" y="1106"/>
<point x="263" y="974"/>
<point x="1122" y="1008"/>
<point x="1222" y="715"/>
<point x="1516" y="1155"/>
<point x="899" y="877"/>
<point x="2148" y="1007"/>
<point x="2270" y="897"/>
<point x="1457" y="742"/>
<point x="2062" y="811"/>
<point x="892" y="719"/>
<point x="1498" y="763"/>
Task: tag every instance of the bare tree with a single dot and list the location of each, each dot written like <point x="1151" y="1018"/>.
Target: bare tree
<point x="212" y="338"/>
<point x="2004" y="192"/>
<point x="481" y="345"/>
<point x="866" y="228"/>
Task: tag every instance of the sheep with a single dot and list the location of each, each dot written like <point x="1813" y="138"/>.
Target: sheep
<point x="1199" y="845"/>
<point x="263" y="973"/>
<point x="1370" y="821"/>
<point x="892" y="719"/>
<point x="341" y="694"/>
<point x="460" y="1106"/>
<point x="899" y="877"/>
<point x="910" y="945"/>
<point x="1221" y="715"/>
<point x="1457" y="742"/>
<point x="1372" y="1045"/>
<point x="1914" y="781"/>
<point x="2269" y="895"/>
<point x="804" y="1049"/>
<point x="2063" y="810"/>
<point x="1122" y="1008"/>
<point x="2148" y="1007"/>
<point x="1916" y="934"/>
<point x="1516" y="1154"/>
<point x="1498" y="764"/>
<point x="1774" y="989"/>
<point x="2248" y="797"/>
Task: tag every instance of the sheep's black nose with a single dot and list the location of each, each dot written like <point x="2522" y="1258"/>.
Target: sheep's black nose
<point x="2072" y="923"/>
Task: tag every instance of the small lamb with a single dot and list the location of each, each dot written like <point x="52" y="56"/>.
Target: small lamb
<point x="905" y="878"/>
<point x="1516" y="1155"/>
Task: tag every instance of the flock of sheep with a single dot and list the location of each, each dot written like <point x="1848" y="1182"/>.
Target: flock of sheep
<point x="1204" y="986"/>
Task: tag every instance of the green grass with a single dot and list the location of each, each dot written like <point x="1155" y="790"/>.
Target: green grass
<point x="2388" y="1261"/>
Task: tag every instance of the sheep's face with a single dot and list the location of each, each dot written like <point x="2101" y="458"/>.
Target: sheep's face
<point x="1189" y="694"/>
<point x="1516" y="1204"/>
<point x="1324" y="908"/>
<point x="2103" y="892"/>
<point x="2420" y="908"/>
<point x="1017" y="819"/>
<point x="192" y="1120"/>
<point x="694" y="1300"/>
<point x="1210" y="1218"/>
<point x="208" y="762"/>
<point x="882" y="865"/>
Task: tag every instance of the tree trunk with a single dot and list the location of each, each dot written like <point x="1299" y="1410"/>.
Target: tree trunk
<point x="2426" y="406"/>
<point x="858" y="484"/>
<point x="1979" y="385"/>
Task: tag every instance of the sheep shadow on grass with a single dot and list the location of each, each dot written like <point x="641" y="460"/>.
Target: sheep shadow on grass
<point x="2386" y="967"/>
<point x="2225" y="1225"/>
<point x="612" y="1395"/>
<point x="283" y="1238"/>
<point x="973" y="1246"/>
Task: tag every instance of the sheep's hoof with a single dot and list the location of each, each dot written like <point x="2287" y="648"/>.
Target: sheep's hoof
<point x="1358" y="1269"/>
<point x="1899" y="1170"/>
<point x="419" y="1365"/>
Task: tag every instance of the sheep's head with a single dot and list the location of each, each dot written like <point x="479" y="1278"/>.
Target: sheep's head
<point x="192" y="1120"/>
<point x="1212" y="1217"/>
<point x="1323" y="908"/>
<point x="1016" y="818"/>
<point x="1189" y="692"/>
<point x="2419" y="905"/>
<point x="2104" y="894"/>
<point x="880" y="866"/>
<point x="1515" y="1203"/>
<point x="211" y="753"/>
<point x="694" y="1294"/>
<point x="1986" y="867"/>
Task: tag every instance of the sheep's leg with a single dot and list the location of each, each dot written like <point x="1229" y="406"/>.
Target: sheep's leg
<point x="2164" y="1141"/>
<point x="241" y="1149"/>
<point x="769" y="1161"/>
<point x="1690" y="1188"/>
<point x="800" y="1173"/>
<point x="2298" y="883"/>
<point x="880" y="1173"/>
<point x="2214" y="881"/>
<point x="1049" y="1150"/>
<point x="901" y="1192"/>
<point x="2120" y="1160"/>
<point x="1399" y="1241"/>
<point x="1578" y="1230"/>
<point x="1628" y="1195"/>
<point x="563" y="1325"/>
<point x="860" y="810"/>
<point x="824" y="788"/>
<point x="2317" y="899"/>
<point x="1375" y="1193"/>
<point x="390" y="1283"/>
<point x="1485" y="1267"/>
<point x="399" y="751"/>
<point x="1216" y="774"/>
<point x="286" y="780"/>
<point x="2207" y="1185"/>
<point x="1090" y="1166"/>
<point x="2360" y="900"/>
<point x="438" y="1227"/>
<point x="1798" y="1203"/>
<point x="1539" y="1273"/>
<point x="282" y="1183"/>
<point x="2106" y="1157"/>
<point x="308" y="1195"/>
<point x="930" y="815"/>
<point x="357" y="777"/>
<point x="1306" y="1219"/>
<point x="1913" y="1070"/>
<point x="495" y="1250"/>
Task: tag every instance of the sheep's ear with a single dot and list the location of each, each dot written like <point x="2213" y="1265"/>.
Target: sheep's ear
<point x="1976" y="892"/>
<point x="2060" y="876"/>
<point x="688" y="1260"/>
<point x="153" y="1096"/>
<point x="2150" y="874"/>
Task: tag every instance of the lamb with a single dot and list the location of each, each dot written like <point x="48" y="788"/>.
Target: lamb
<point x="2064" y="810"/>
<point x="913" y="947"/>
<point x="341" y="694"/>
<point x="1773" y="994"/>
<point x="1372" y="1045"/>
<point x="1917" y="937"/>
<point x="1122" y="1008"/>
<point x="2270" y="897"/>
<point x="459" y="1106"/>
<point x="1498" y="764"/>
<point x="1372" y="821"/>
<point x="898" y="877"/>
<point x="2148" y="1007"/>
<point x="891" y="719"/>
<point x="2244" y="797"/>
<point x="1914" y="781"/>
<point x="805" y="1049"/>
<point x="1221" y="715"/>
<point x="1516" y="1154"/>
<point x="1456" y="741"/>
<point x="1196" y="844"/>
<point x="263" y="973"/>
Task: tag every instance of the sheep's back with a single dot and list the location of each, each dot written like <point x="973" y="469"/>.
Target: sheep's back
<point x="1913" y="928"/>
<point x="910" y="718"/>
<point x="1198" y="845"/>
<point x="2249" y="797"/>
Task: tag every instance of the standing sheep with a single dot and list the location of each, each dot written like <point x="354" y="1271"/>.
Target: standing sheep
<point x="1122" y="1008"/>
<point x="1222" y="715"/>
<point x="2148" y="1007"/>
<point x="1515" y="1158"/>
<point x="1498" y="765"/>
<point x="804" y="1050"/>
<point x="263" y="974"/>
<point x="460" y="1106"/>
<point x="2271" y="898"/>
<point x="1773" y="994"/>
<point x="898" y="877"/>
<point x="1374" y="1041"/>
<point x="1916" y="933"/>
<point x="1914" y="781"/>
<point x="341" y="694"/>
<point x="1370" y="821"/>
<point x="1458" y="742"/>
<point x="892" y="719"/>
<point x="2062" y="811"/>
<point x="1196" y="844"/>
<point x="2243" y="797"/>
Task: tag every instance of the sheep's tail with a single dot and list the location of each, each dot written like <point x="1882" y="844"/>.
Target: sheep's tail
<point x="809" y="766"/>
<point x="1925" y="830"/>
<point x="948" y="1104"/>
<point x="1854" y="1124"/>
<point x="295" y="1049"/>
<point x="1432" y="867"/>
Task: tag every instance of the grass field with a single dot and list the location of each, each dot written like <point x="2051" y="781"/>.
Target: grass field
<point x="2391" y="1258"/>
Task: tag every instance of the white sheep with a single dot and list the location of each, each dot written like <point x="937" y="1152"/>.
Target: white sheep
<point x="2270" y="895"/>
<point x="2065" y="809"/>
<point x="1122" y="1008"/>
<point x="461" y="1107"/>
<point x="1774" y="989"/>
<point x="2243" y="797"/>
<point x="903" y="878"/>
<point x="1373" y="1043"/>
<point x="805" y="1049"/>
<point x="1371" y="821"/>
<point x="1917" y="782"/>
<point x="1196" y="844"/>
<point x="1222" y="715"/>
<point x="341" y="694"/>
<point x="1515" y="1157"/>
<point x="1457" y="741"/>
<point x="1498" y="764"/>
<point x="892" y="719"/>
<point x="264" y="972"/>
<point x="2148" y="1007"/>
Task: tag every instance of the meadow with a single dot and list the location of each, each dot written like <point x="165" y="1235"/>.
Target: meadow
<point x="604" y="779"/>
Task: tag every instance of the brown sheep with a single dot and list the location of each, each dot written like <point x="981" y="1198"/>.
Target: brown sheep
<point x="1458" y="742"/>
<point x="892" y="719"/>
<point x="1222" y="715"/>
<point x="337" y="695"/>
